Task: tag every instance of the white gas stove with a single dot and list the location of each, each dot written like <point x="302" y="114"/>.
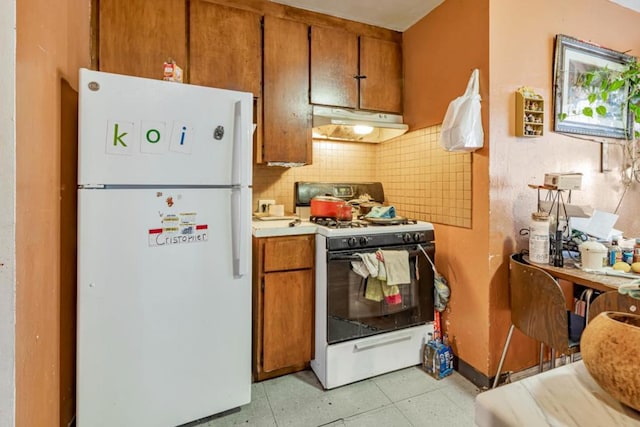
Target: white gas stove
<point x="357" y="337"/>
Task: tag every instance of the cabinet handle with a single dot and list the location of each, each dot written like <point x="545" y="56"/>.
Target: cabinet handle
<point x="359" y="76"/>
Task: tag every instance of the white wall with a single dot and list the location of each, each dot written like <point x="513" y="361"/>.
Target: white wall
<point x="7" y="213"/>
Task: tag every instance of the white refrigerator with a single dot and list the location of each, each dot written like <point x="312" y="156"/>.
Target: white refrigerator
<point x="164" y="253"/>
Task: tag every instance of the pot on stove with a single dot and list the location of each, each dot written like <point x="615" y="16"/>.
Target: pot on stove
<point x="365" y="207"/>
<point x="345" y="212"/>
<point x="326" y="206"/>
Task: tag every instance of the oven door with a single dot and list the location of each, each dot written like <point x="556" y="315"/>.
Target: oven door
<point x="351" y="315"/>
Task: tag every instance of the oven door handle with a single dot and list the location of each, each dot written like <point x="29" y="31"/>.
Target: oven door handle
<point x="342" y="257"/>
<point x="375" y="342"/>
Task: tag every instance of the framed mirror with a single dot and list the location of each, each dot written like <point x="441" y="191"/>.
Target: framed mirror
<point x="574" y="58"/>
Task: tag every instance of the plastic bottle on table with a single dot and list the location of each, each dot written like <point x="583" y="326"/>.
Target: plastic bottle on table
<point x="428" y="353"/>
<point x="615" y="252"/>
<point x="539" y="238"/>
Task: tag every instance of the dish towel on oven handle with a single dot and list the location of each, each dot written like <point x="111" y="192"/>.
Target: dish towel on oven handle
<point x="375" y="268"/>
<point x="441" y="291"/>
<point x="378" y="290"/>
<point x="397" y="265"/>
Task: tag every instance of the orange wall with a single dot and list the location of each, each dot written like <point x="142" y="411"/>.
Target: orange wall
<point x="52" y="43"/>
<point x="522" y="55"/>
<point x="440" y="52"/>
<point x="517" y="49"/>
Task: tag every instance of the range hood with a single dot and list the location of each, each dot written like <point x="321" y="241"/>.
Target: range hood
<point x="338" y="124"/>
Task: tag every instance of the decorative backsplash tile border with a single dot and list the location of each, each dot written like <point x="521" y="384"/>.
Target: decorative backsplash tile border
<point x="420" y="179"/>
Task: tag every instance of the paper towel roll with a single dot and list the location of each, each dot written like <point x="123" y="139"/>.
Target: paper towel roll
<point x="276" y="210"/>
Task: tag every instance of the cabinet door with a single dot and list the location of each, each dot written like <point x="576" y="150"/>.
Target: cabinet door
<point x="286" y="108"/>
<point x="225" y="47"/>
<point x="289" y="253"/>
<point x="381" y="63"/>
<point x="288" y="319"/>
<point x="334" y="67"/>
<point x="136" y="37"/>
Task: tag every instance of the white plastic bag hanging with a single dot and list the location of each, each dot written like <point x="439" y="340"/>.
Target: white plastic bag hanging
<point x="462" y="125"/>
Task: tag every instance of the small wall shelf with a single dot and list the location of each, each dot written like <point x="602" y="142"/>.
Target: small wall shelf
<point x="529" y="113"/>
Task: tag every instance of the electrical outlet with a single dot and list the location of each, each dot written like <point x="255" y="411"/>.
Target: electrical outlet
<point x="263" y="205"/>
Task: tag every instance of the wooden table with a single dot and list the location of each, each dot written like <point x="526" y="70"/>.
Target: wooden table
<point x="564" y="396"/>
<point x="577" y="276"/>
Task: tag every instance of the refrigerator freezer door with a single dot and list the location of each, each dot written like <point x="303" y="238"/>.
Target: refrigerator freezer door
<point x="164" y="328"/>
<point x="240" y="229"/>
<point x="137" y="131"/>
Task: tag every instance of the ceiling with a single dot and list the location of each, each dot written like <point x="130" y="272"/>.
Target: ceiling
<point x="393" y="14"/>
<point x="631" y="4"/>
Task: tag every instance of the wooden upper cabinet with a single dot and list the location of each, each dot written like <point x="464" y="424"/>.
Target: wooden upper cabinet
<point x="137" y="37"/>
<point x="334" y="67"/>
<point x="381" y="63"/>
<point x="286" y="108"/>
<point x="225" y="47"/>
<point x="355" y="72"/>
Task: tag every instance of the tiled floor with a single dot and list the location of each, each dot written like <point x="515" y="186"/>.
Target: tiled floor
<point x="408" y="397"/>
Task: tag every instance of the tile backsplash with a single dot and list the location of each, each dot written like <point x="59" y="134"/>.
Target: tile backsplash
<point x="332" y="162"/>
<point x="419" y="178"/>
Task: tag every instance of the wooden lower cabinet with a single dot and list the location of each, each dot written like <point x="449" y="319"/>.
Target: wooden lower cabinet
<point x="283" y="304"/>
<point x="286" y="333"/>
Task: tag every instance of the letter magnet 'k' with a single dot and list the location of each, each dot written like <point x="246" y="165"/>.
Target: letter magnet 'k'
<point x="119" y="137"/>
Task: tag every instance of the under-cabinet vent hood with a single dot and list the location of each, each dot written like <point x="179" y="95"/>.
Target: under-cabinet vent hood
<point x="337" y="124"/>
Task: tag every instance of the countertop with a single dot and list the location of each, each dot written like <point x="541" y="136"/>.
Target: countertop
<point x="599" y="281"/>
<point x="274" y="228"/>
<point x="564" y="396"/>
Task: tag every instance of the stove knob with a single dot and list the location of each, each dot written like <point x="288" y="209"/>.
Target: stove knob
<point x="417" y="237"/>
<point x="364" y="240"/>
<point x="351" y="241"/>
<point x="407" y="237"/>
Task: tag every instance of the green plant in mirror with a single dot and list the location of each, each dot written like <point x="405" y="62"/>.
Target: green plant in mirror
<point x="601" y="83"/>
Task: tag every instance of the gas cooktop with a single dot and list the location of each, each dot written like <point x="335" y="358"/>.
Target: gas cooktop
<point x="368" y="229"/>
<point x="330" y="227"/>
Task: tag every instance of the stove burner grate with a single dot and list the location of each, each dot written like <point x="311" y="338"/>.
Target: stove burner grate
<point x="331" y="222"/>
<point x="387" y="221"/>
<point x="361" y="222"/>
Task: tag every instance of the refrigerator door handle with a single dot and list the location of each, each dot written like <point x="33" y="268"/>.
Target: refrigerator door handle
<point x="241" y="142"/>
<point x="240" y="226"/>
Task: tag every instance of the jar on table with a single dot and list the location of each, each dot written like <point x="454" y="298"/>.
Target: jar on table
<point x="636" y="251"/>
<point x="539" y="238"/>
